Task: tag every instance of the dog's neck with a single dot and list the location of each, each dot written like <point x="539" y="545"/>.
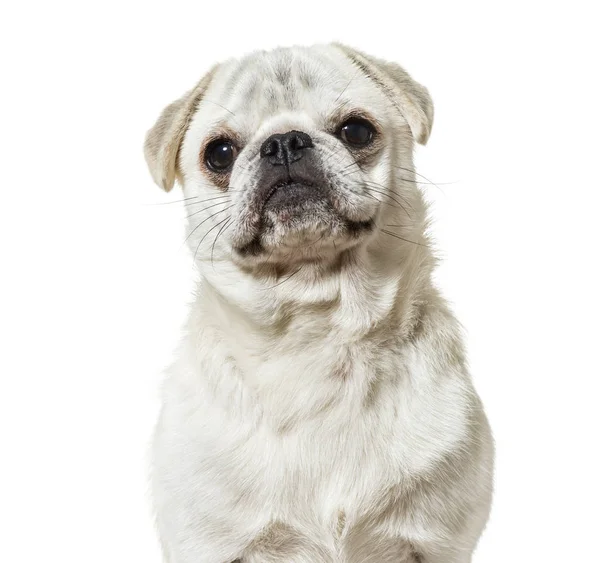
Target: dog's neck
<point x="299" y="342"/>
<point x="371" y="287"/>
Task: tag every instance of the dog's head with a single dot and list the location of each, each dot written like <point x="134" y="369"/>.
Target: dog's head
<point x="294" y="156"/>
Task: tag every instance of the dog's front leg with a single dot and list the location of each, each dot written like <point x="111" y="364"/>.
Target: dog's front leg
<point x="188" y="536"/>
<point x="204" y="513"/>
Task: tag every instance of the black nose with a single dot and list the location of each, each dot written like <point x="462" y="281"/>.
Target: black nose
<point x="285" y="148"/>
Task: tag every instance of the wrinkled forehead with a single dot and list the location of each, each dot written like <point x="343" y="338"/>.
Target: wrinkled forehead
<point x="313" y="85"/>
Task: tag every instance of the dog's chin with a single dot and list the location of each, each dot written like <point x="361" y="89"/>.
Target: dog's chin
<point x="300" y="224"/>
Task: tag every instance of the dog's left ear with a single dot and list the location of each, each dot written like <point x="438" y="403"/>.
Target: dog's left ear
<point x="162" y="144"/>
<point x="410" y="98"/>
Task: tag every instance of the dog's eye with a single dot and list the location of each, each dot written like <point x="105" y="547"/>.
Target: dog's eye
<point x="220" y="155"/>
<point x="357" y="132"/>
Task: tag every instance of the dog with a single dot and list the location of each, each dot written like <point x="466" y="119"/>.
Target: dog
<point x="320" y="407"/>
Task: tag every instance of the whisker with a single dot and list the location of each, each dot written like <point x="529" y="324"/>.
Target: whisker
<point x="208" y="232"/>
<point x="368" y="188"/>
<point x="270" y="255"/>
<point x="283" y="281"/>
<point x="427" y="180"/>
<point x="222" y="107"/>
<point x="206" y="200"/>
<point x="386" y="189"/>
<point x="380" y="201"/>
<point x="393" y="193"/>
<point x="204" y="221"/>
<point x="424" y="180"/>
<point x="354" y="163"/>
<point x="229" y="190"/>
<point x="205" y="208"/>
<point x="330" y="157"/>
<point x="316" y="241"/>
<point x="172" y="202"/>
<point x="346" y="88"/>
<point x="402" y="238"/>
<point x="221" y="230"/>
<point x="408" y="180"/>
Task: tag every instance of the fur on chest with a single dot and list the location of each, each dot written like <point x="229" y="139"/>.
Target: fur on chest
<point x="325" y="399"/>
<point x="294" y="381"/>
<point x="314" y="438"/>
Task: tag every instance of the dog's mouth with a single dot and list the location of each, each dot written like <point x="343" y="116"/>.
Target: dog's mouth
<point x="352" y="231"/>
<point x="290" y="197"/>
<point x="299" y="220"/>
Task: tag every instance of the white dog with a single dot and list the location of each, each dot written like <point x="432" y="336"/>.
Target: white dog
<point x="320" y="409"/>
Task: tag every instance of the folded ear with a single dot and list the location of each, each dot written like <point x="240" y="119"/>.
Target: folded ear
<point x="164" y="139"/>
<point x="410" y="98"/>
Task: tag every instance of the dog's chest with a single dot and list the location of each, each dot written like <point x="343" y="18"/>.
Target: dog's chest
<point x="328" y="437"/>
<point x="323" y="384"/>
<point x="320" y="483"/>
<point x="313" y="440"/>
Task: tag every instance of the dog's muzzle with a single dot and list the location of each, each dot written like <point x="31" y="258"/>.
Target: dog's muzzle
<point x="291" y="177"/>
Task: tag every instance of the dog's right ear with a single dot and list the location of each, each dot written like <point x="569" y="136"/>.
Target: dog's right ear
<point x="410" y="98"/>
<point x="163" y="141"/>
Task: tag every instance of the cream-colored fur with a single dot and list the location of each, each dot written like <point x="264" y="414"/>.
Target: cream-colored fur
<point x="320" y="408"/>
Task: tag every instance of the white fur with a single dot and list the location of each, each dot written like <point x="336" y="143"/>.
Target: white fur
<point x="320" y="408"/>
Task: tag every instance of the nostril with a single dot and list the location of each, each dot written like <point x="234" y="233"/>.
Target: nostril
<point x="269" y="148"/>
<point x="299" y="140"/>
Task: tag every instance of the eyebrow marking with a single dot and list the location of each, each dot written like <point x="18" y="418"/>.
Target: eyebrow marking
<point x="223" y="107"/>
<point x="347" y="86"/>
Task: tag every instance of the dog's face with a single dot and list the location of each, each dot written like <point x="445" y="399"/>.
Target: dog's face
<point x="294" y="155"/>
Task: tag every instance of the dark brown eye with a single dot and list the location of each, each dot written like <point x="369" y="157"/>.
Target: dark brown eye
<point x="357" y="132"/>
<point x="220" y="155"/>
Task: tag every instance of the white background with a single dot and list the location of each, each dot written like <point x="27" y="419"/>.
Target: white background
<point x="95" y="280"/>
